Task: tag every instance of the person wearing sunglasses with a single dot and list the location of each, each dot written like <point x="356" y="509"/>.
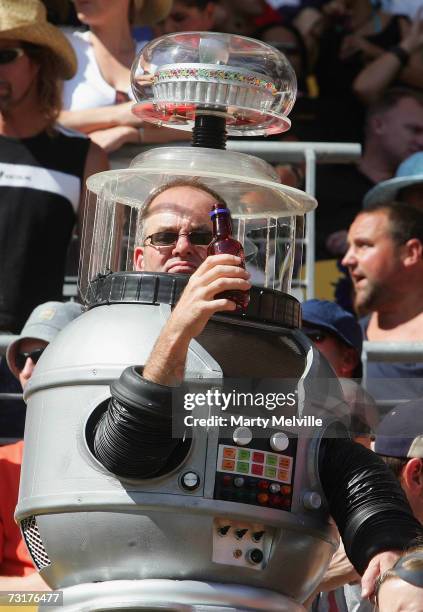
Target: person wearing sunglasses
<point x="17" y="571"/>
<point x="176" y="228"/>
<point x="338" y="337"/>
<point x="41" y="328"/>
<point x="42" y="167"/>
<point x="336" y="334"/>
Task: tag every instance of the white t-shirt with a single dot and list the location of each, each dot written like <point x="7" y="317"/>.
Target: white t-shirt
<point x="88" y="89"/>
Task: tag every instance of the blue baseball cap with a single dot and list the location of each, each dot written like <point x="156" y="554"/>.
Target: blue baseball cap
<point x="323" y="314"/>
<point x="409" y="172"/>
<point x="400" y="432"/>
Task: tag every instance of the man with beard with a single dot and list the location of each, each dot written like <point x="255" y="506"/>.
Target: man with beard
<point x="385" y="261"/>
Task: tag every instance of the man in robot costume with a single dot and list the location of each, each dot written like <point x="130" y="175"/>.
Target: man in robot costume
<point x="130" y="435"/>
<point x="367" y="504"/>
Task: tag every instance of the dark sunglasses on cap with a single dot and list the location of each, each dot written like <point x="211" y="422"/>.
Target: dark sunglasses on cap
<point x="20" y="358"/>
<point x="10" y="54"/>
<point x="316" y="336"/>
<point x="161" y="239"/>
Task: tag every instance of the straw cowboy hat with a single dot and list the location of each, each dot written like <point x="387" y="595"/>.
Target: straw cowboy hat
<point x="410" y="172"/>
<point x="25" y="20"/>
<point x="149" y="12"/>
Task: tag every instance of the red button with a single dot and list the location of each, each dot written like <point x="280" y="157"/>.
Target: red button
<point x="258" y="457"/>
<point x="276" y="500"/>
<point x="286" y="490"/>
<point x="227" y="480"/>
<point x="257" y="469"/>
<point x="262" y="498"/>
<point x="263" y="484"/>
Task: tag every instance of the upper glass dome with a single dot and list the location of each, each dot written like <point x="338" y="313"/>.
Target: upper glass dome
<point x="179" y="76"/>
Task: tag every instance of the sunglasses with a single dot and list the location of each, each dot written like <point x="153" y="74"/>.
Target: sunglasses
<point x="20" y="359"/>
<point x="316" y="336"/>
<point x="164" y="239"/>
<point x="7" y="56"/>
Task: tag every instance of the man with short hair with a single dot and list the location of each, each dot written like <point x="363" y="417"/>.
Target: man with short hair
<point x="385" y="262"/>
<point x="393" y="132"/>
<point x="399" y="442"/>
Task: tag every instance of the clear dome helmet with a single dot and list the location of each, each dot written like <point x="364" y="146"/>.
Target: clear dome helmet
<point x="213" y="84"/>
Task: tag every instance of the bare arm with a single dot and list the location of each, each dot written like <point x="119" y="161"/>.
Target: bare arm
<point x="111" y="139"/>
<point x="100" y="118"/>
<point x="379" y="74"/>
<point x="197" y="304"/>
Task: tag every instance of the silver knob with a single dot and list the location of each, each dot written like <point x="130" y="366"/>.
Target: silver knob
<point x="279" y="441"/>
<point x="242" y="436"/>
<point x="312" y="500"/>
<point x="190" y="481"/>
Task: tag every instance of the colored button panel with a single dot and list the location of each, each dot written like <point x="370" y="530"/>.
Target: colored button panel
<point x="255" y="463"/>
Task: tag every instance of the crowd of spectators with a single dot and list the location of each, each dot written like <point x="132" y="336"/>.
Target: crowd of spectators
<point x="65" y="106"/>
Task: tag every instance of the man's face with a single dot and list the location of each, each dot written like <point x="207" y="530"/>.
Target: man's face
<point x="373" y="260"/>
<point x="396" y="595"/>
<point x="17" y="77"/>
<point x="186" y="17"/>
<point x="400" y="130"/>
<point x="181" y="209"/>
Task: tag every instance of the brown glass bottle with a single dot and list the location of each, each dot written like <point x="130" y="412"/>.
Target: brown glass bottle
<point x="223" y="242"/>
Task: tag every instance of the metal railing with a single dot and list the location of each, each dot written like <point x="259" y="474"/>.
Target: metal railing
<point x="389" y="352"/>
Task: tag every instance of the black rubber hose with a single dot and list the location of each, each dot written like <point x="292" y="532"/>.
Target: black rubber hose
<point x="366" y="501"/>
<point x="133" y="438"/>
